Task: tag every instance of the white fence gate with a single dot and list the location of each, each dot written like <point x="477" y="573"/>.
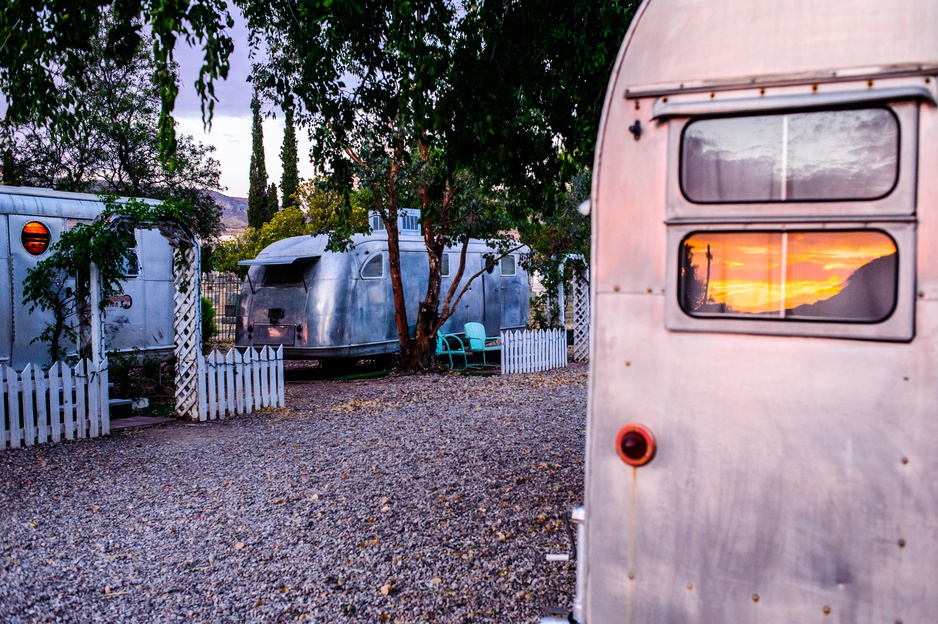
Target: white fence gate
<point x="64" y="403"/>
<point x="238" y="383"/>
<point x="529" y="351"/>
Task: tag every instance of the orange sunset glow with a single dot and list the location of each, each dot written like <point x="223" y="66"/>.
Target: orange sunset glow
<point x="747" y="270"/>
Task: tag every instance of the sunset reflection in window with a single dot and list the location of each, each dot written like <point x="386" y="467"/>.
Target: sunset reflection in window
<point x="831" y="275"/>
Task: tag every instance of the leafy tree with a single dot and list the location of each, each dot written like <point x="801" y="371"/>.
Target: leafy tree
<point x="414" y="97"/>
<point x="323" y="206"/>
<point x="376" y="86"/>
<point x="315" y="214"/>
<point x="114" y="145"/>
<point x="259" y="211"/>
<point x="285" y="223"/>
<point x="290" y="181"/>
<point x="49" y="44"/>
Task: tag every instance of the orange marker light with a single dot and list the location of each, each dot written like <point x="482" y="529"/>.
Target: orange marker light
<point x="35" y="237"/>
<point x="636" y="445"/>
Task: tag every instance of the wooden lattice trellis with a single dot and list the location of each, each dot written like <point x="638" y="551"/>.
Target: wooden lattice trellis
<point x="187" y="327"/>
<point x="581" y="313"/>
<point x="581" y="305"/>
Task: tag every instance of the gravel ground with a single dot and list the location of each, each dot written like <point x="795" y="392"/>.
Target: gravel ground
<point x="428" y="498"/>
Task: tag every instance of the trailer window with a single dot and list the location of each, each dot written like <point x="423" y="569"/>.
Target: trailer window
<point x="131" y="264"/>
<point x="806" y="156"/>
<point x="797" y="275"/>
<point x="507" y="265"/>
<point x="373" y="267"/>
<point x="285" y="274"/>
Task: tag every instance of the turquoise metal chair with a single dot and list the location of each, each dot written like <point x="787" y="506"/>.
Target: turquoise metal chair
<point x="479" y="342"/>
<point x="448" y="345"/>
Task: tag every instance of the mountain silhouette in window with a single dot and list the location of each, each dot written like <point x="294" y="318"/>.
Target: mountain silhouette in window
<point x="870" y="295"/>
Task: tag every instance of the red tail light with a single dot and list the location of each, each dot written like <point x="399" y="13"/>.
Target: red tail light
<point x="636" y="445"/>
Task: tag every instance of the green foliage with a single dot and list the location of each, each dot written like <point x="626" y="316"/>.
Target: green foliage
<point x="290" y="181"/>
<point x="433" y="106"/>
<point x="60" y="283"/>
<point x="559" y="232"/>
<point x="209" y="328"/>
<point x="114" y="145"/>
<point x="323" y="207"/>
<point x="272" y="205"/>
<point x="284" y="224"/>
<point x="47" y="46"/>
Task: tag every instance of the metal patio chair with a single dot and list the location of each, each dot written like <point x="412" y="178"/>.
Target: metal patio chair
<point x="448" y="345"/>
<point x="479" y="342"/>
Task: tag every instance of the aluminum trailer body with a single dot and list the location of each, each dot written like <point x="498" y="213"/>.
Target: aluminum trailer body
<point x="323" y="305"/>
<point x="763" y="405"/>
<point x="140" y="320"/>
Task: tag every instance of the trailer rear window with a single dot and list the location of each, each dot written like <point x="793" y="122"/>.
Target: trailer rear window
<point x="807" y="156"/>
<point x="286" y="274"/>
<point x="799" y="275"/>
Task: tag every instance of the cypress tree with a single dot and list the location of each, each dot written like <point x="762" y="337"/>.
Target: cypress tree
<point x="272" y="206"/>
<point x="290" y="181"/>
<point x="258" y="203"/>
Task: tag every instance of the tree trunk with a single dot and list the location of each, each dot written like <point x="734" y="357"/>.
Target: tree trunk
<point x="394" y="264"/>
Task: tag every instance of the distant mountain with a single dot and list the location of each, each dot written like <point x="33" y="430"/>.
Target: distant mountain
<point x="234" y="213"/>
<point x="868" y="296"/>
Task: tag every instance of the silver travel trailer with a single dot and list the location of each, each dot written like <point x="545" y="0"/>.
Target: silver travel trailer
<point x="324" y="305"/>
<point x="762" y="397"/>
<point x="140" y="320"/>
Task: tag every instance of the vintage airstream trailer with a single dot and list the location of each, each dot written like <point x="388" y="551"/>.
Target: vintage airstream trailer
<point x="334" y="306"/>
<point x="140" y="320"/>
<point x="763" y="405"/>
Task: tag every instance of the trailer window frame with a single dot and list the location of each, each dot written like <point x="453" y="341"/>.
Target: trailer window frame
<point x="376" y="259"/>
<point x="786" y="144"/>
<point x="510" y="260"/>
<point x="898" y="202"/>
<point x="899" y="326"/>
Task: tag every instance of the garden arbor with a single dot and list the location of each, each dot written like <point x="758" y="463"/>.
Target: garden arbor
<point x="187" y="318"/>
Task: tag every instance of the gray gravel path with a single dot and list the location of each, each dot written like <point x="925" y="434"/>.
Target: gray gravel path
<point x="403" y="499"/>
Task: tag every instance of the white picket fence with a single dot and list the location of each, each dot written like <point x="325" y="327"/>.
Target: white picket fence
<point x="39" y="406"/>
<point x="529" y="351"/>
<point x="237" y="383"/>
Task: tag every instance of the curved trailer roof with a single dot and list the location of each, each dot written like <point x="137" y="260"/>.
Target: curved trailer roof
<point x="686" y="44"/>
<point x="41" y="201"/>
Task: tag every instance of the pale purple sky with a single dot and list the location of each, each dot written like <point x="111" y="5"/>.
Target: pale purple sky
<point x="231" y="123"/>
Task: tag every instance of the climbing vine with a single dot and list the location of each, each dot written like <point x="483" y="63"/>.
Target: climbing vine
<point x="61" y="283"/>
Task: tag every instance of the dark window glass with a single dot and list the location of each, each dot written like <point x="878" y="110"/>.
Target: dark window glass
<point x="131" y="264"/>
<point x="812" y="156"/>
<point x="444" y="265"/>
<point x="374" y="267"/>
<point x="285" y="274"/>
<point x="829" y="275"/>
